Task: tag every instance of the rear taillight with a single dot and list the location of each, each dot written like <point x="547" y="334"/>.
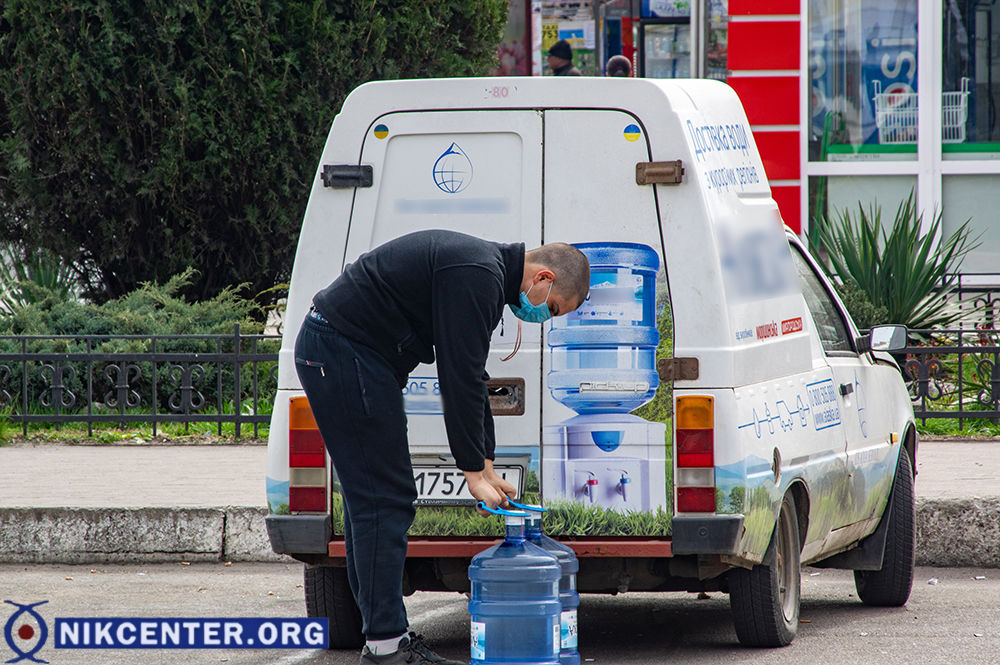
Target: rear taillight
<point x="695" y="451"/>
<point x="307" y="472"/>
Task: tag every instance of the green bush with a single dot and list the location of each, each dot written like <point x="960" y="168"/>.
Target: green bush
<point x="859" y="305"/>
<point x="140" y="138"/>
<point x="152" y="309"/>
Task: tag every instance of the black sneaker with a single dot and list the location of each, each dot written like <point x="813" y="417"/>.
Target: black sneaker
<point x="412" y="651"/>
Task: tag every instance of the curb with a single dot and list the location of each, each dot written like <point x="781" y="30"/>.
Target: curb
<point x="950" y="532"/>
<point x="959" y="532"/>
<point x="128" y="535"/>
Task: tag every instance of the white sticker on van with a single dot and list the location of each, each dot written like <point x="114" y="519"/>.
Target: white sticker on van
<point x="783" y="413"/>
<point x="823" y="403"/>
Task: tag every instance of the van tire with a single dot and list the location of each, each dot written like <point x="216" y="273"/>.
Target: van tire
<point x="328" y="594"/>
<point x="765" y="599"/>
<point x="890" y="586"/>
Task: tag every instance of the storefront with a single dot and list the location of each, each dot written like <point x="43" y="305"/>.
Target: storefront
<point x="900" y="96"/>
<point x="850" y="101"/>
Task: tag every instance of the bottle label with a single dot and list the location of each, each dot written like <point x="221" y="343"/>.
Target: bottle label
<point x="569" y="629"/>
<point x="478" y="640"/>
<point x="555" y="638"/>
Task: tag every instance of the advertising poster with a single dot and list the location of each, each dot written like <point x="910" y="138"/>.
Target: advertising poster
<point x="665" y="8"/>
<point x="854" y="52"/>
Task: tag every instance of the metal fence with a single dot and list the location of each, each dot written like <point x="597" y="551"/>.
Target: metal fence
<point x="155" y="379"/>
<point x="954" y="373"/>
<point x="231" y="379"/>
<point x="979" y="294"/>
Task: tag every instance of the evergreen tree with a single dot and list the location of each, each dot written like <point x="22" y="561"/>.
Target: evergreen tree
<point x="140" y="138"/>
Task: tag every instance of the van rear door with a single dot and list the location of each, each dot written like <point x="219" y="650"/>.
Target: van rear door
<point x="607" y="471"/>
<point x="480" y="173"/>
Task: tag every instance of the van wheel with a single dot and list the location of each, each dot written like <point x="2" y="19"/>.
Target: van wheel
<point x="765" y="599"/>
<point x="328" y="594"/>
<point x="890" y="586"/>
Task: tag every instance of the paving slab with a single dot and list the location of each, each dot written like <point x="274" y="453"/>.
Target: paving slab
<point x="132" y="476"/>
<point x="958" y="469"/>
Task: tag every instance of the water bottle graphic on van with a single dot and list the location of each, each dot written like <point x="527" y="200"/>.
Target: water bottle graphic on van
<point x="603" y="366"/>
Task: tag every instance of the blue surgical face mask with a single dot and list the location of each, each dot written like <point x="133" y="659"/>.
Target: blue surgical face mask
<point x="532" y="313"/>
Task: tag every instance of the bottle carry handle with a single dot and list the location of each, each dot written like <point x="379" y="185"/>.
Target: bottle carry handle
<point x="525" y="506"/>
<point x="500" y="511"/>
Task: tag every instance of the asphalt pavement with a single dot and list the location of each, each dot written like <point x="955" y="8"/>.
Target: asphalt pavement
<point x="72" y="503"/>
<point x="950" y="618"/>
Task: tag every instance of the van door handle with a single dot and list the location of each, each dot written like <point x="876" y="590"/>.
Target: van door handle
<point x="846" y="389"/>
<point x="506" y="396"/>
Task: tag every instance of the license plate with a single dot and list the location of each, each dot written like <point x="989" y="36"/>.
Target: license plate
<point x="445" y="485"/>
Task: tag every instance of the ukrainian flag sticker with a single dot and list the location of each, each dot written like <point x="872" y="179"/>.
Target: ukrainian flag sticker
<point x="381" y="131"/>
<point x="632" y="133"/>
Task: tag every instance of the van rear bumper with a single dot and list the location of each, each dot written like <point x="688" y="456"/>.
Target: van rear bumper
<point x="466" y="548"/>
<point x="299" y="534"/>
<point x="718" y="534"/>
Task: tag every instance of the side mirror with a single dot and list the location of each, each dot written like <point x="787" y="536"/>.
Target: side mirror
<point x="883" y="338"/>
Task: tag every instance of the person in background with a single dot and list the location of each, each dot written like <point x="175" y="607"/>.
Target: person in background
<point x="618" y="65"/>
<point x="561" y="59"/>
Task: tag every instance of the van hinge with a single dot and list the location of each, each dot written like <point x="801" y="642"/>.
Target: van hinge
<point x="677" y="369"/>
<point x="659" y="173"/>
<point x="347" y="175"/>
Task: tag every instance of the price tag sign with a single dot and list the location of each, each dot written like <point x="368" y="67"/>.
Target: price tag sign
<point x="550" y="35"/>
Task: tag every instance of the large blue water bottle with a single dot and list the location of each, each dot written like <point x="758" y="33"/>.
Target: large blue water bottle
<point x="569" y="599"/>
<point x="514" y="606"/>
<point x="604" y="352"/>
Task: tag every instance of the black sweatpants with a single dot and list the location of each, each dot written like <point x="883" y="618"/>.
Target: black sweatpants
<point x="358" y="406"/>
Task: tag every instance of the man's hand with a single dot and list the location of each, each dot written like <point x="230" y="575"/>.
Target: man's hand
<point x="482" y="489"/>
<point x="499" y="483"/>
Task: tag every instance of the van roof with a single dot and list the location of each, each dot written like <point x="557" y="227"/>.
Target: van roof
<point x="539" y="93"/>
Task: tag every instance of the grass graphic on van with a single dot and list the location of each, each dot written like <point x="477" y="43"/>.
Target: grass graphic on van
<point x="568" y="518"/>
<point x="563" y="518"/>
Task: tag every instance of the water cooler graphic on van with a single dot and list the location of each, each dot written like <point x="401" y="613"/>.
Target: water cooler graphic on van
<point x="603" y="359"/>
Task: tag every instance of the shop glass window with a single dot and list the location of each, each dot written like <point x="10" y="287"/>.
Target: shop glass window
<point x="863" y="79"/>
<point x="968" y="198"/>
<point x="716" y="66"/>
<point x="831" y="196"/>
<point x="971" y="79"/>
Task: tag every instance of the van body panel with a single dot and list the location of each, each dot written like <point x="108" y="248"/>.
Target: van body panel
<point x="277" y="478"/>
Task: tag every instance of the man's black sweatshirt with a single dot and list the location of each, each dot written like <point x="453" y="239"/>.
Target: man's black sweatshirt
<point x="433" y="293"/>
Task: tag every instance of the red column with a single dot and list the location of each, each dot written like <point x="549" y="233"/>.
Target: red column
<point x="763" y="58"/>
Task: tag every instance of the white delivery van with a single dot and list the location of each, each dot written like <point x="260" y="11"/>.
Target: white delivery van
<point x="709" y="419"/>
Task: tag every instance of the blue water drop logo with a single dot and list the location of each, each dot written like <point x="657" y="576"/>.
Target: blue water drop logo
<point x="453" y="170"/>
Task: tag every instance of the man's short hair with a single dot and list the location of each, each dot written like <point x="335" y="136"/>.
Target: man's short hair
<point x="618" y="65"/>
<point x="570" y="266"/>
